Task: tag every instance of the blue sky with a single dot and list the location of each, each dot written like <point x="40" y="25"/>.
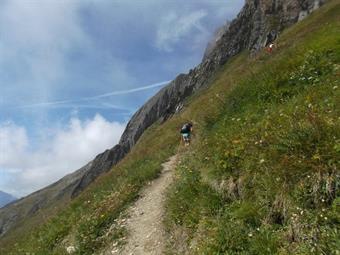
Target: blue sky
<point x="72" y="73"/>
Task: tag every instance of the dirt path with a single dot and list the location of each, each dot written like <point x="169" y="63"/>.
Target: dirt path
<point x="145" y="222"/>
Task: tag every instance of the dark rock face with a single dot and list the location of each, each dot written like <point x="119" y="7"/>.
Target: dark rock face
<point x="103" y="162"/>
<point x="258" y="23"/>
<point x="216" y="38"/>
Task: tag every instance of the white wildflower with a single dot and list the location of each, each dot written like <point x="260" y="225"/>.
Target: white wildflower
<point x="70" y="249"/>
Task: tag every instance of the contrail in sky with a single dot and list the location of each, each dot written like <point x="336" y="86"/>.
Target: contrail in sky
<point x="129" y="90"/>
<point x="114" y="93"/>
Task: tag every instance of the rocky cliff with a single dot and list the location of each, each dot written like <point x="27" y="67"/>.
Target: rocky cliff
<point x="258" y="23"/>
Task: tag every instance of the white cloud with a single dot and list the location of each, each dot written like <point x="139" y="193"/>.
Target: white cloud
<point x="13" y="142"/>
<point x="36" y="37"/>
<point x="174" y="27"/>
<point x="67" y="150"/>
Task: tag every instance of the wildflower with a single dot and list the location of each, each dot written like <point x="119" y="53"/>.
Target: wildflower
<point x="316" y="157"/>
<point x="325" y="218"/>
<point x="308" y="176"/>
<point x="261" y="161"/>
<point x="322" y="200"/>
<point x="250" y="234"/>
<point x="335" y="87"/>
<point x="258" y="229"/>
<point x="70" y="249"/>
<point x="310" y="105"/>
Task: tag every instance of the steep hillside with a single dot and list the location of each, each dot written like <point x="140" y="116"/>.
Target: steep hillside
<point x="263" y="174"/>
<point x="263" y="126"/>
<point x="258" y="23"/>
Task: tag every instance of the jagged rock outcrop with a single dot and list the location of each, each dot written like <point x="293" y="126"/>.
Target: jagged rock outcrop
<point x="217" y="36"/>
<point x="258" y="23"/>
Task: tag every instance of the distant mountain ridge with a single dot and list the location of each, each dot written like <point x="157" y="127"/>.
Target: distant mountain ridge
<point x="258" y="22"/>
<point x="6" y="198"/>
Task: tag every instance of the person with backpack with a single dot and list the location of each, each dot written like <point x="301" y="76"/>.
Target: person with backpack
<point x="270" y="48"/>
<point x="186" y="131"/>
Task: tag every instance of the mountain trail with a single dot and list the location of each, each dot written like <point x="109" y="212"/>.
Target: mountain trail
<point x="145" y="221"/>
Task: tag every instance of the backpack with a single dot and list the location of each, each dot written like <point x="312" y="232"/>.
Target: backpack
<point x="185" y="129"/>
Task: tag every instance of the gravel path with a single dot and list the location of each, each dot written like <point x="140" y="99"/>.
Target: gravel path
<point x="145" y="221"/>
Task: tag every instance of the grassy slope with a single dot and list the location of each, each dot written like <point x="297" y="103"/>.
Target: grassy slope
<point x="264" y="176"/>
<point x="261" y="130"/>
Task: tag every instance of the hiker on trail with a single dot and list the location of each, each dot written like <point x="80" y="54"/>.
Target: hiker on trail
<point x="270" y="47"/>
<point x="186" y="131"/>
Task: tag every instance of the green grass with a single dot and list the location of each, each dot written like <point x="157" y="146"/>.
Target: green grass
<point x="264" y="176"/>
<point x="87" y="221"/>
<point x="262" y="173"/>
